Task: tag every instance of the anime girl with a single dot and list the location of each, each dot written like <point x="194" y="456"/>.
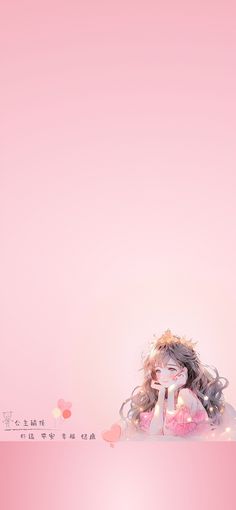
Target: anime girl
<point x="179" y="397"/>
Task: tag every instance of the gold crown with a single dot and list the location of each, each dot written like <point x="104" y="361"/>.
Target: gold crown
<point x="169" y="338"/>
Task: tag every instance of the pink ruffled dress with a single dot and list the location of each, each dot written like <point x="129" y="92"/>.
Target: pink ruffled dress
<point x="183" y="421"/>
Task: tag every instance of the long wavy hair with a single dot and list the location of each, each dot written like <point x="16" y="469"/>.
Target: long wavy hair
<point x="207" y="387"/>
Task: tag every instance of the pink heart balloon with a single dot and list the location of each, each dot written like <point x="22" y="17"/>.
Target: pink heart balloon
<point x="62" y="404"/>
<point x="113" y="434"/>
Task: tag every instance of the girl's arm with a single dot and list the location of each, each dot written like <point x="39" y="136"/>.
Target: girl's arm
<point x="153" y="421"/>
<point x="188" y="416"/>
<point x="157" y="423"/>
<point x="189" y="399"/>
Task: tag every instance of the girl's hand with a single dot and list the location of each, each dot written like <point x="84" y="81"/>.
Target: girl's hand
<point x="156" y="386"/>
<point x="179" y="380"/>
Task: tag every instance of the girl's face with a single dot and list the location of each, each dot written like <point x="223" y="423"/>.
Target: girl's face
<point x="167" y="372"/>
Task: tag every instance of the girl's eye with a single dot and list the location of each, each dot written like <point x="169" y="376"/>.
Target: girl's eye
<point x="158" y="370"/>
<point x="171" y="368"/>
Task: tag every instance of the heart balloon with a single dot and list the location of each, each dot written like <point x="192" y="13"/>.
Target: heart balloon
<point x="113" y="434"/>
<point x="62" y="404"/>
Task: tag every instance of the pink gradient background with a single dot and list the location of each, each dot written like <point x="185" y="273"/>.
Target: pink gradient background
<point x="117" y="197"/>
<point x="118" y="209"/>
<point x="129" y="477"/>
